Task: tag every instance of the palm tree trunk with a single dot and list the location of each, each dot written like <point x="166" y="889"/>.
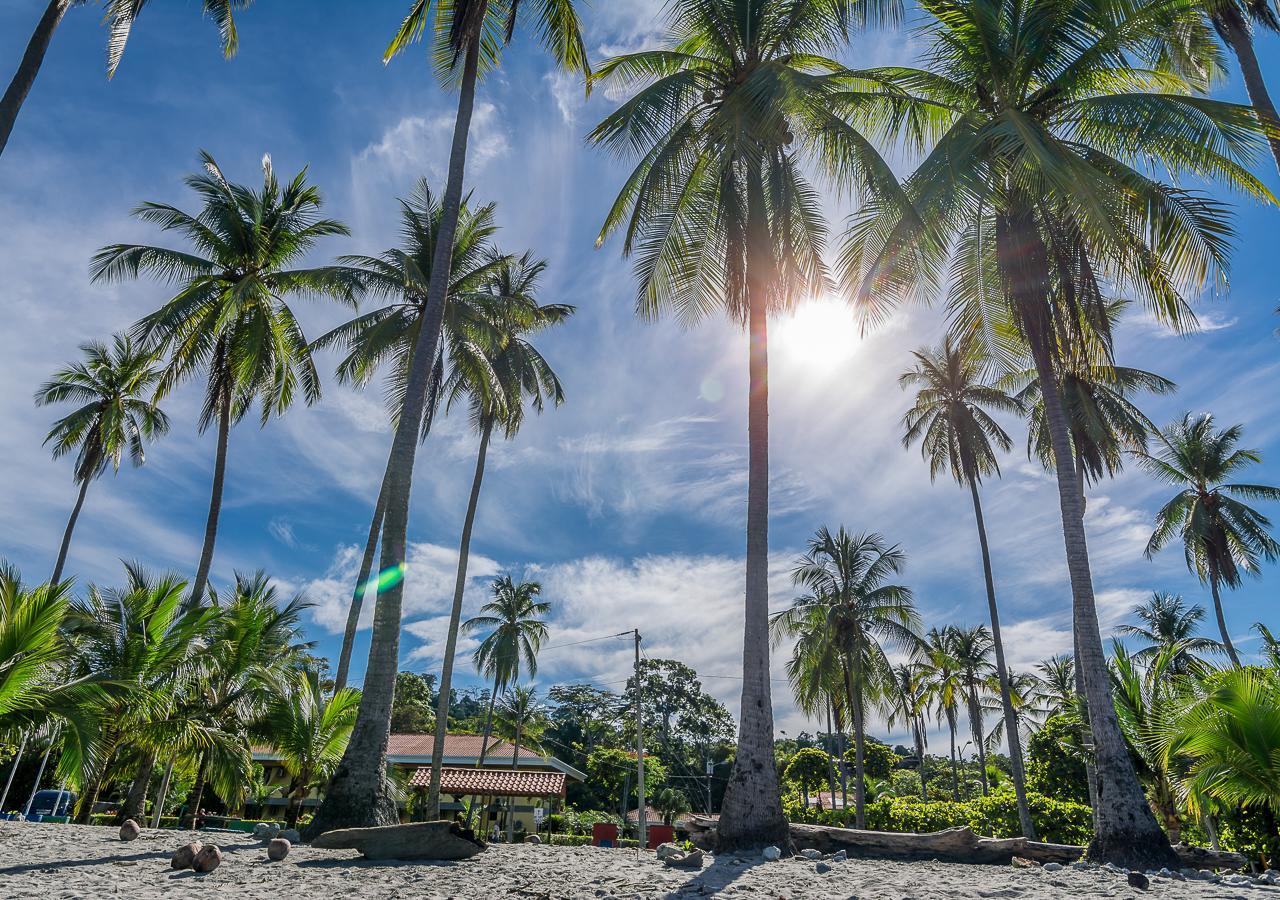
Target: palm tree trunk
<point x="1086" y="733"/>
<point x="362" y="581"/>
<point x="215" y="498"/>
<point x="484" y="744"/>
<point x="859" y="765"/>
<point x="918" y="727"/>
<point x="1125" y="831"/>
<point x="197" y="792"/>
<point x="1222" y="622"/>
<point x="831" y="764"/>
<point x="56" y="578"/>
<point x="751" y="814"/>
<point x="511" y="811"/>
<point x="358" y="794"/>
<point x="979" y="742"/>
<point x="13" y="770"/>
<point x="25" y="77"/>
<point x="955" y="768"/>
<point x="1012" y="736"/>
<point x="455" y="618"/>
<point x="1238" y="36"/>
<point x="135" y="805"/>
<point x="163" y="794"/>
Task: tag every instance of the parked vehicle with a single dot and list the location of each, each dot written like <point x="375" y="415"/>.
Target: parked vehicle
<point x="52" y="803"/>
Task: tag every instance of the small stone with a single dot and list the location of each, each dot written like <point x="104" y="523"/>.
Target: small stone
<point x="811" y="854"/>
<point x="822" y="868"/>
<point x="208" y="859"/>
<point x="682" y="860"/>
<point x="260" y="830"/>
<point x="1082" y="865"/>
<point x="666" y="851"/>
<point x="129" y="831"/>
<point x="278" y="849"/>
<point x="1139" y="881"/>
<point x="772" y="854"/>
<point x="291" y="835"/>
<point x="1053" y="867"/>
<point x="839" y="856"/>
<point x="532" y="839"/>
<point x="183" y="856"/>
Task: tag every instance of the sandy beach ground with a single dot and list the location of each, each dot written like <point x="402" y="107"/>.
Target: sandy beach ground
<point x="63" y="861"/>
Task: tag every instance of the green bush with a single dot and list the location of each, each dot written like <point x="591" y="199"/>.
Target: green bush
<point x="1055" y="761"/>
<point x="568" y="840"/>
<point x="102" y="819"/>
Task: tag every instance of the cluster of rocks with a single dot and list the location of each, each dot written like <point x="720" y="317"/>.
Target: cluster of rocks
<point x="678" y="858"/>
<point x="822" y="861"/>
<point x="204" y="858"/>
<point x="1142" y="880"/>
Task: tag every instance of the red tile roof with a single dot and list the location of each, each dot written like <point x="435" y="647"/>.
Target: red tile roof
<point x="455" y="745"/>
<point x="494" y="782"/>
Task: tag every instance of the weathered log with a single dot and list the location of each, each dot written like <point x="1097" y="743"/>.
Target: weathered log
<point x="1201" y="858"/>
<point x="421" y="840"/>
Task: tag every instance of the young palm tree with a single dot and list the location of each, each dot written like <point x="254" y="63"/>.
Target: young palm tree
<point x="720" y="216"/>
<point x="1222" y="537"/>
<point x="496" y="378"/>
<point x="1038" y="193"/>
<point x="109" y="384"/>
<point x="956" y="433"/>
<point x="941" y="678"/>
<point x="310" y="730"/>
<point x="120" y="15"/>
<point x="860" y="615"/>
<point x="971" y="650"/>
<point x="521" y="719"/>
<point x="1270" y="646"/>
<point x="1058" y="683"/>
<point x="229" y="319"/>
<point x="1167" y="622"/>
<point x="514" y="620"/>
<point x="467" y="30"/>
<point x="389" y="333"/>
<point x="907" y="702"/>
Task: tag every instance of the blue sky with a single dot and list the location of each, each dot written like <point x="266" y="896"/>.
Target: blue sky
<point x="627" y="503"/>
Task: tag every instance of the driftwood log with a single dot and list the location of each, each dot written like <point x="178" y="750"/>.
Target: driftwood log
<point x="951" y="845"/>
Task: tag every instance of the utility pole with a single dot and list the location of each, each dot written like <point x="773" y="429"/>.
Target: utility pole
<point x="711" y="767"/>
<point x="640" y="812"/>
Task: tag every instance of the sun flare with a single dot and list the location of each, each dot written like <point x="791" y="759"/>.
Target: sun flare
<point x="821" y="333"/>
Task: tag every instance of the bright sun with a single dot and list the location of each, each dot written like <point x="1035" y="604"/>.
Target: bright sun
<point x="821" y="333"/>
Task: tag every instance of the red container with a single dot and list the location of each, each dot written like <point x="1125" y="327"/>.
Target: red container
<point x="604" y="834"/>
<point x="660" y="834"/>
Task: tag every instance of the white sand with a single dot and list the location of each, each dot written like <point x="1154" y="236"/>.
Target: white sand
<point x="65" y="861"/>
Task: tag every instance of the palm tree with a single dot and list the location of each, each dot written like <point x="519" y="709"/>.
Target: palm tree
<point x="310" y="731"/>
<point x="1270" y="645"/>
<point x="720" y="215"/>
<point x="389" y="333"/>
<point x="1037" y="195"/>
<point x="467" y="30"/>
<point x="1221" y="535"/>
<point x="1167" y="622"/>
<point x="941" y="679"/>
<point x="120" y="15"/>
<point x="520" y="718"/>
<point x="907" y="701"/>
<point x="956" y="433"/>
<point x="860" y="615"/>
<point x="109" y="384"/>
<point x="1058" y="683"/>
<point x="1235" y="21"/>
<point x="496" y="379"/>
<point x="971" y="650"/>
<point x="229" y="319"/>
<point x="514" y="620"/>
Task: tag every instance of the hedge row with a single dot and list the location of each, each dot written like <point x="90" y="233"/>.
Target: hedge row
<point x="581" y="840"/>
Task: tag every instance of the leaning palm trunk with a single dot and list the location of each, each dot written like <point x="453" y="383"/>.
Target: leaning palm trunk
<point x="135" y="805"/>
<point x="13" y="770"/>
<point x="484" y="746"/>
<point x="955" y="768"/>
<point x="56" y="578"/>
<point x="1125" y="831"/>
<point x="511" y="812"/>
<point x="1086" y="735"/>
<point x="1238" y="36"/>
<point x="25" y="77"/>
<point x="751" y="815"/>
<point x="162" y="795"/>
<point x="1012" y="736"/>
<point x="357" y="794"/>
<point x="215" y="498"/>
<point x="455" y="618"/>
<point x="1222" y="621"/>
<point x="975" y="729"/>
<point x="362" y="581"/>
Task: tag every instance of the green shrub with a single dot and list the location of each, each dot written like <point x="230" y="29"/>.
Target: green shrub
<point x="568" y="840"/>
<point x="102" y="819"/>
<point x="1055" y="761"/>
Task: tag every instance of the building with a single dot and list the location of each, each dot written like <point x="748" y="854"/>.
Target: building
<point x="533" y="789"/>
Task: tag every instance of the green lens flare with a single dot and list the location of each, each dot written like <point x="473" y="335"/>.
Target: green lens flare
<point x="387" y="578"/>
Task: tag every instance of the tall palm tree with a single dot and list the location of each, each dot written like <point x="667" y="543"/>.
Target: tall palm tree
<point x="230" y="320"/>
<point x="120" y="15"/>
<point x="941" y="680"/>
<point x="1037" y="193"/>
<point x="388" y="334"/>
<point x="496" y="378"/>
<point x="1236" y="22"/>
<point x="861" y="615"/>
<point x="956" y="433"/>
<point x="720" y="216"/>
<point x="310" y="731"/>
<point x="1167" y="622"/>
<point x="109" y="384"/>
<point x="1058" y="683"/>
<point x="971" y="650"/>
<point x="1222" y="537"/>
<point x="514" y="620"/>
<point x="466" y="31"/>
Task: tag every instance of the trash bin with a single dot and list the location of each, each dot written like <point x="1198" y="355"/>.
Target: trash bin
<point x="604" y="834"/>
<point x="660" y="834"/>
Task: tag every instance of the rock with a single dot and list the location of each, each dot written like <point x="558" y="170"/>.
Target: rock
<point x="291" y="835"/>
<point x="1053" y="867"/>
<point x="418" y="840"/>
<point x="260" y="831"/>
<point x="811" y="854"/>
<point x="1082" y="866"/>
<point x="840" y="856"/>
<point x="665" y="851"/>
<point x="822" y="868"/>
<point x="772" y="854"/>
<point x="682" y="860"/>
<point x="273" y="831"/>
<point x="532" y="839"/>
<point x="1138" y="880"/>
<point x="1019" y="862"/>
<point x="129" y="831"/>
<point x="208" y="859"/>
<point x="183" y="856"/>
<point x="278" y="849"/>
